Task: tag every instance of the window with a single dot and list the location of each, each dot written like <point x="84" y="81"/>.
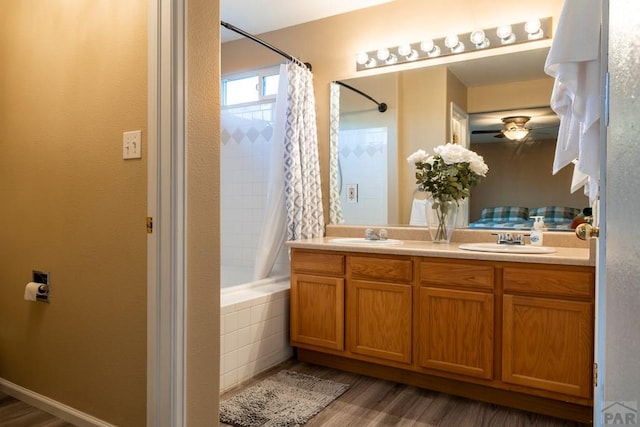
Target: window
<point x="251" y="86"/>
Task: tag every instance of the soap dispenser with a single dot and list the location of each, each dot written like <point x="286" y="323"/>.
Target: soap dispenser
<point x="536" y="236"/>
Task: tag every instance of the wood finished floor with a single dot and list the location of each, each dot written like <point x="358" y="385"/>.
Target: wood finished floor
<point x="15" y="413"/>
<point x="373" y="402"/>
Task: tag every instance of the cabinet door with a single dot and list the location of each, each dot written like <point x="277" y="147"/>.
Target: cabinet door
<point x="379" y="320"/>
<point x="455" y="331"/>
<point x="317" y="311"/>
<point x="548" y="344"/>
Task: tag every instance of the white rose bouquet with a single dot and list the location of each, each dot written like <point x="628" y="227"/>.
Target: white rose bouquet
<point x="450" y="172"/>
<point x="448" y="175"/>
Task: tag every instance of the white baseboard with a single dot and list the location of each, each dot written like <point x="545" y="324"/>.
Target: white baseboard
<point x="64" y="412"/>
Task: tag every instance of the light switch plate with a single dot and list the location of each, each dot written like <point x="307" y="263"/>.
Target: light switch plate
<point x="132" y="145"/>
<point x="352" y="193"/>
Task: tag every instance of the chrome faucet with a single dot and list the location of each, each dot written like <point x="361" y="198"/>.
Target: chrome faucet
<point x="371" y="234"/>
<point x="510" y="238"/>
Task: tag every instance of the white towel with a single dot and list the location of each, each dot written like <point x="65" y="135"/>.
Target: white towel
<point x="579" y="179"/>
<point x="418" y="214"/>
<point x="574" y="61"/>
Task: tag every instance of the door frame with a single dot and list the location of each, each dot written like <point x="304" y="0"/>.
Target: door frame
<point x="166" y="249"/>
<point x="601" y="212"/>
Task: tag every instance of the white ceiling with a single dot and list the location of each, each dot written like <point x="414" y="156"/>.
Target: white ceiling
<point x="513" y="67"/>
<point x="261" y="16"/>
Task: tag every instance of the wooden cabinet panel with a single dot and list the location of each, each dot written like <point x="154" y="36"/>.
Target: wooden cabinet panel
<point x="317" y="311"/>
<point x="397" y="269"/>
<point x="548" y="344"/>
<point x="466" y="275"/>
<point x="455" y="331"/>
<point x="317" y="262"/>
<point x="379" y="320"/>
<point x="545" y="282"/>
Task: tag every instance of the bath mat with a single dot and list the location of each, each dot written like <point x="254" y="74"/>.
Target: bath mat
<point x="285" y="399"/>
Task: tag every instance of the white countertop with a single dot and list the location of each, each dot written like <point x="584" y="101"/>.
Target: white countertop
<point x="563" y="255"/>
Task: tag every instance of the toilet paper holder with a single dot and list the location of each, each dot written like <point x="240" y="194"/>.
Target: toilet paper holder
<point x="42" y="277"/>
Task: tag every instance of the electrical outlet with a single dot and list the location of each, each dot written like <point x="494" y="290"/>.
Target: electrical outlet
<point x="132" y="145"/>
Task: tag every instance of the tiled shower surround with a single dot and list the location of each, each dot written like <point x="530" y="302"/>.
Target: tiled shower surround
<point x="254" y="319"/>
<point x="254" y="333"/>
<point x="363" y="163"/>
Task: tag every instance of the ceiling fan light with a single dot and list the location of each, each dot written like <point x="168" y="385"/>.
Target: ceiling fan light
<point x="514" y="127"/>
<point x="516" y="134"/>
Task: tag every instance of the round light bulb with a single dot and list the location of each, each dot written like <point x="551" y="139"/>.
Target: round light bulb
<point x="505" y="34"/>
<point x="362" y="58"/>
<point x="451" y="41"/>
<point x="426" y="46"/>
<point x="503" y="31"/>
<point x="404" y="50"/>
<point x="383" y="54"/>
<point x="477" y="37"/>
<point x="534" y="28"/>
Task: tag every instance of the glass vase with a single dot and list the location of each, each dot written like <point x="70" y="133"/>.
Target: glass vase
<point x="441" y="217"/>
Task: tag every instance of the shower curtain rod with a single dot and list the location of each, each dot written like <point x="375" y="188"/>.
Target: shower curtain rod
<point x="382" y="107"/>
<point x="263" y="43"/>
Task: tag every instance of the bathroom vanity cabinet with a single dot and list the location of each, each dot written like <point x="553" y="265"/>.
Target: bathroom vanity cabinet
<point x="513" y="333"/>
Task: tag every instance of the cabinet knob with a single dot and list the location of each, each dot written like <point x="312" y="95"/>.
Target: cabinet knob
<point x="586" y="231"/>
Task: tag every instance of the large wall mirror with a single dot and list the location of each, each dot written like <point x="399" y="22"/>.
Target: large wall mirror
<point x="465" y="101"/>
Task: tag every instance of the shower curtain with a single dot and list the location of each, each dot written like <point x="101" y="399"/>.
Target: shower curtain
<point x="294" y="198"/>
<point x="335" y="207"/>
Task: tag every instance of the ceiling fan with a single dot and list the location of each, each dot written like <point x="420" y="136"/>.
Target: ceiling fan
<point x="514" y="128"/>
<point x="492" y="126"/>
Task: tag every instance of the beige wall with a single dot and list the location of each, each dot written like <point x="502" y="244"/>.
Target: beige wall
<point x="331" y="44"/>
<point x="522" y="177"/>
<point x="422" y="125"/>
<point x="203" y="217"/>
<point x="73" y="77"/>
<point x="508" y="96"/>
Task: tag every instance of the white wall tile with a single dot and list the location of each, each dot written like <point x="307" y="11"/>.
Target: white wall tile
<point x="244" y="318"/>
<point x="231" y="341"/>
<point x="230" y="322"/>
<point x="244" y="337"/>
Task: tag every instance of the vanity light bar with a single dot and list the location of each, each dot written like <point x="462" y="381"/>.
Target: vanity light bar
<point x="453" y="44"/>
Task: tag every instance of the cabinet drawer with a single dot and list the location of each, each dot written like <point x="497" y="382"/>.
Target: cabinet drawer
<point x="317" y="262"/>
<point x="381" y="269"/>
<point x="466" y="275"/>
<point x="547" y="281"/>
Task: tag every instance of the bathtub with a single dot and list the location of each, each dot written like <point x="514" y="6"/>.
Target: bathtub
<point x="254" y="326"/>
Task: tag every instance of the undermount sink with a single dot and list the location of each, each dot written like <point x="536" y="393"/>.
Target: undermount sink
<point x="364" y="242"/>
<point x="502" y="248"/>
